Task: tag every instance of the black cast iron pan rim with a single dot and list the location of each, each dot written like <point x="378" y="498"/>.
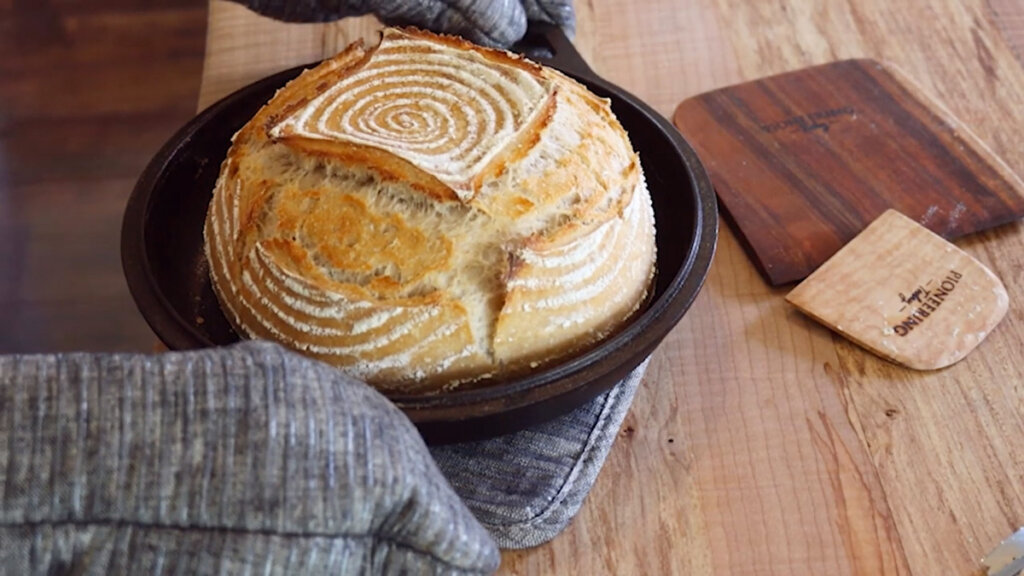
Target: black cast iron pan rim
<point x="586" y="374"/>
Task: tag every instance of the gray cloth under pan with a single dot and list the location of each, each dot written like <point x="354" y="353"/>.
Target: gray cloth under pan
<point x="251" y="459"/>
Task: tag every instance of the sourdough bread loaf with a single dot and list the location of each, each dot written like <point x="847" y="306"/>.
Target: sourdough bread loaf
<point x="427" y="212"/>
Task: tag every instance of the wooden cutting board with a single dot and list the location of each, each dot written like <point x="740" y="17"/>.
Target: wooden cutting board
<point x="804" y="161"/>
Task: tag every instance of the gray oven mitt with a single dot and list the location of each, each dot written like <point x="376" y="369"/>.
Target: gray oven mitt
<point x="240" y="460"/>
<point x="489" y="22"/>
<point x="251" y="457"/>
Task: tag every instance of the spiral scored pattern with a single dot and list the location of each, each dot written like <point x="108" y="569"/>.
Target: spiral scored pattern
<point x="334" y="254"/>
<point x="448" y="112"/>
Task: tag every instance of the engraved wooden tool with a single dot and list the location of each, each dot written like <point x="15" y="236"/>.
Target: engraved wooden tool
<point x="906" y="294"/>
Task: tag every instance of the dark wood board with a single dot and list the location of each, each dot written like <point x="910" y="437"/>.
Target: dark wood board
<point x="804" y="161"/>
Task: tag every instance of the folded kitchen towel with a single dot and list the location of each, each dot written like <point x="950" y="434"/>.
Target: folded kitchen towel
<point x="253" y="458"/>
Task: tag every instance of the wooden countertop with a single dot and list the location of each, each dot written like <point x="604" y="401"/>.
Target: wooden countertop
<point x="759" y="443"/>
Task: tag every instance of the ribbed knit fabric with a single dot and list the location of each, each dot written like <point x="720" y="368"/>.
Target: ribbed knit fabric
<point x="498" y="23"/>
<point x="251" y="459"/>
<point x="242" y="460"/>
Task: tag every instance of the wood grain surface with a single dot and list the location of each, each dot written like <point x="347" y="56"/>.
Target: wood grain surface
<point x="89" y="91"/>
<point x="760" y="444"/>
<point x="804" y="161"/>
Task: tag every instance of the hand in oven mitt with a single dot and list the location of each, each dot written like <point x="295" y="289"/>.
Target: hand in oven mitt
<point x="223" y="461"/>
<point x="498" y="23"/>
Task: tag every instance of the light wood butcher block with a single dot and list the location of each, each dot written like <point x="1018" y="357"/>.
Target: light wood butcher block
<point x="759" y="444"/>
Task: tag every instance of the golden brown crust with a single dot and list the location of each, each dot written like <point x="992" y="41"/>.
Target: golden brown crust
<point x="407" y="70"/>
<point x="308" y="85"/>
<point x="384" y="163"/>
<point x="495" y="55"/>
<point x="356" y="220"/>
<point x="521" y="144"/>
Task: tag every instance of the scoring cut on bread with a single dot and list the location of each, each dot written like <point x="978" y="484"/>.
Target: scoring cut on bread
<point x="427" y="212"/>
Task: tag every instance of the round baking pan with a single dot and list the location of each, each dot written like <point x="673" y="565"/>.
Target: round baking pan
<point x="163" y="261"/>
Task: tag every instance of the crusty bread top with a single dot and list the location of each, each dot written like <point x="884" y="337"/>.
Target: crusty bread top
<point x="447" y="110"/>
<point x="428" y="211"/>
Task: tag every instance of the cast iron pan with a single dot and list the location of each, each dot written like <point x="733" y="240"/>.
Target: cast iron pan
<point x="162" y="254"/>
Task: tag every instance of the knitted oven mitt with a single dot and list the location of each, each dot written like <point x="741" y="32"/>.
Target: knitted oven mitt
<point x="498" y="23"/>
<point x="241" y="460"/>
